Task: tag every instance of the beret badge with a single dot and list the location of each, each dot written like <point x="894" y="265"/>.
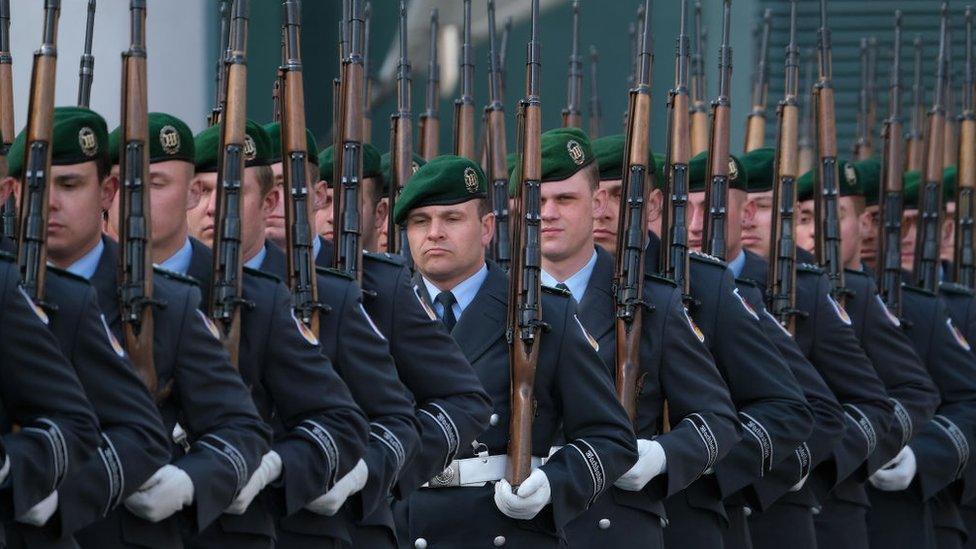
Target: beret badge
<point x="849" y="174"/>
<point x="250" y="149"/>
<point x="575" y="152"/>
<point x="87" y="141"/>
<point x="169" y="139"/>
<point x="733" y="170"/>
<point x="470" y="180"/>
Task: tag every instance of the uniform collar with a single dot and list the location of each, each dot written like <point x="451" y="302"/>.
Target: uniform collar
<point x="577" y="282"/>
<point x="738" y="263"/>
<point x="179" y="262"/>
<point x="88" y="263"/>
<point x="464" y="292"/>
<point x="316" y="246"/>
<point x="256" y="261"/>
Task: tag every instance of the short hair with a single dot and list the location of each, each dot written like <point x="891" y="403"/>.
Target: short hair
<point x="483" y="207"/>
<point x="376" y="189"/>
<point x="265" y="179"/>
<point x="592" y="173"/>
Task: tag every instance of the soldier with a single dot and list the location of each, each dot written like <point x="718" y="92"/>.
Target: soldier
<point x="227" y="437"/>
<point x="319" y="433"/>
<point x="42" y="395"/>
<point x="841" y="520"/>
<point x="134" y="444"/>
<point x="676" y="364"/>
<point x="448" y="225"/>
<point x="770" y="403"/>
<point x="452" y="406"/>
<point x="361" y="356"/>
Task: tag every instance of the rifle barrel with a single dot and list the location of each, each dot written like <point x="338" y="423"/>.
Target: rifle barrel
<point x="86" y="70"/>
<point x="965" y="243"/>
<point x="430" y="118"/>
<point x="464" y="106"/>
<point x="572" y="114"/>
<point x="718" y="166"/>
<point x="890" y="201"/>
<point x="496" y="150"/>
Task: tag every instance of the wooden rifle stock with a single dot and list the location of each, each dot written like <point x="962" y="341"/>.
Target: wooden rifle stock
<point x="806" y="140"/>
<point x="430" y="123"/>
<point x="464" y="106"/>
<point x="756" y="123"/>
<point x="719" y="162"/>
<point x="964" y="260"/>
<point x="699" y="110"/>
<point x="8" y="210"/>
<point x="525" y="322"/>
<point x="226" y="299"/>
<point x="916" y="138"/>
<point x="928" y="243"/>
<point x="32" y="244"/>
<point x="401" y="145"/>
<point x="782" y="252"/>
<point x="496" y="149"/>
<point x="890" y="201"/>
<point x="349" y="248"/>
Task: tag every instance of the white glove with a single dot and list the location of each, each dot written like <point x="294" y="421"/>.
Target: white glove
<point x="897" y="474"/>
<point x="527" y="500"/>
<point x="265" y="474"/>
<point x="5" y="470"/>
<point x="329" y="503"/>
<point x="166" y="492"/>
<point x="39" y="514"/>
<point x="651" y="462"/>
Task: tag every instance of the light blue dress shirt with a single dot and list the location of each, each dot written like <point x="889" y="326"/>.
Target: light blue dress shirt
<point x="576" y="283"/>
<point x="464" y="292"/>
<point x="88" y="263"/>
<point x="179" y="262"/>
<point x="256" y="261"/>
<point x="738" y="263"/>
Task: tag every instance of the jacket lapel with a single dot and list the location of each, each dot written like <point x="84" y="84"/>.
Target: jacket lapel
<point x="105" y="281"/>
<point x="201" y="268"/>
<point x="596" y="308"/>
<point x="755" y="269"/>
<point x="275" y="261"/>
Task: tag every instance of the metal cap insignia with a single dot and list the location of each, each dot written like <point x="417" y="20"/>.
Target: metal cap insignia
<point x="849" y="174"/>
<point x="733" y="170"/>
<point x="87" y="141"/>
<point x="250" y="149"/>
<point x="575" y="152"/>
<point x="169" y="139"/>
<point x="470" y="180"/>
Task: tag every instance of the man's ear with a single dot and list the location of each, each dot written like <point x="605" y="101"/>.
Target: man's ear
<point x="110" y="186"/>
<point x="380" y="215"/>
<point x="193" y="193"/>
<point x="600" y="198"/>
<point x="749" y="210"/>
<point x="320" y="192"/>
<point x="948" y="231"/>
<point x="6" y="187"/>
<point x="487" y="229"/>
<point x="270" y="202"/>
<point x="654" y="205"/>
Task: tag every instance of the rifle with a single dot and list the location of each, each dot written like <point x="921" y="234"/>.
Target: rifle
<point x="756" y="123"/>
<point x="699" y="112"/>
<point x="86" y="72"/>
<point x="915" y="137"/>
<point x="632" y="228"/>
<point x="401" y="142"/>
<point x="135" y="262"/>
<point x="596" y="111"/>
<point x="525" y="323"/>
<point x="294" y="157"/>
<point x="464" y="105"/>
<point x="342" y="49"/>
<point x="226" y="300"/>
<point x="872" y="88"/>
<point x="926" y="268"/>
<point x="32" y="243"/>
<point x="890" y="202"/>
<point x="635" y="49"/>
<point x="430" y="119"/>
<point x="964" y="260"/>
<point x="349" y="249"/>
<point x="503" y="54"/>
<point x="220" y="86"/>
<point x="495" y="149"/>
<point x="573" y="114"/>
<point x="862" y="144"/>
<point x="717" y="167"/>
<point x="782" y="254"/>
<point x="805" y="141"/>
<point x="674" y="241"/>
<point x="8" y="211"/>
<point x="950" y="152"/>
<point x="367" y="74"/>
<point x="826" y="189"/>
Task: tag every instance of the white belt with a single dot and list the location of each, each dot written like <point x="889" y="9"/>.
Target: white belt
<point x="474" y="472"/>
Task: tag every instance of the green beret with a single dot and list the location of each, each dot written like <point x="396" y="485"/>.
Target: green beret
<point x="274" y="135"/>
<point x="444" y="180"/>
<point x="849" y="177"/>
<point x="657" y="159"/>
<point x="910" y="182"/>
<point x="169" y="139"/>
<point x="759" y="165"/>
<point x="257" y="147"/>
<point x="804" y="187"/>
<point x="415" y="165"/>
<point x="565" y="151"/>
<point x="697" y="166"/>
<point x="609" y="154"/>
<point x="949" y="175"/>
<point x="371" y="163"/>
<point x="868" y="173"/>
<point x="79" y="135"/>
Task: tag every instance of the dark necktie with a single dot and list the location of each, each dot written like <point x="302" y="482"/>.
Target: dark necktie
<point x="562" y="286"/>
<point x="446" y="299"/>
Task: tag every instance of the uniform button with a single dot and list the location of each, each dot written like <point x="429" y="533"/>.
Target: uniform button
<point x="815" y="510"/>
<point x="747" y="510"/>
<point x="664" y="522"/>
<point x="499" y="541"/>
<point x="493" y="420"/>
<point x="604" y="523"/>
<point x="421" y="543"/>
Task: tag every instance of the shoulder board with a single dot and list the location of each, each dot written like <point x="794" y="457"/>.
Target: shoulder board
<point x="330" y="271"/>
<point x="66" y="274"/>
<point x="173" y="275"/>
<point x="386" y="257"/>
<point x="556" y="291"/>
<point x="702" y="256"/>
<point x="917" y="290"/>
<point x="7" y="256"/>
<point x="953" y="288"/>
<point x="809" y="268"/>
<point x="660" y="279"/>
<point x="261" y="274"/>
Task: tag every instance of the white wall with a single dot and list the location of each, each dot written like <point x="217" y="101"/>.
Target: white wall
<point x="179" y="65"/>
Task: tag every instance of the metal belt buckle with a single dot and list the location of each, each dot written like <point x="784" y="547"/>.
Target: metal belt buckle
<point x="447" y="477"/>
